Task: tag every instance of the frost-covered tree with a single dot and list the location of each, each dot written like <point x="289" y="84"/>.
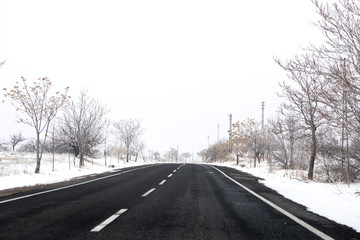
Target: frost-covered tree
<point x="83" y="126"/>
<point x="186" y="155"/>
<point x="287" y="136"/>
<point x="138" y="147"/>
<point x="15" y="139"/>
<point x="128" y="131"/>
<point x="171" y="155"/>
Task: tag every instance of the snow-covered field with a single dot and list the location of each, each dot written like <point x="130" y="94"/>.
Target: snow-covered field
<point x="17" y="169"/>
<point x="335" y="201"/>
<point x="338" y="202"/>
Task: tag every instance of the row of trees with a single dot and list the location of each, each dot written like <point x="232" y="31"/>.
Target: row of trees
<point x="320" y="119"/>
<point x="173" y="155"/>
<point x="81" y="128"/>
<point x="283" y="142"/>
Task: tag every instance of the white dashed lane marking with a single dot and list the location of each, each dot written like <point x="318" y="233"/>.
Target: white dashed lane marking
<point x="108" y="221"/>
<point x="99" y="227"/>
<point x="148" y="192"/>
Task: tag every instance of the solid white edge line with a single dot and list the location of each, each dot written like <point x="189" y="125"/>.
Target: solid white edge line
<point x="73" y="185"/>
<point x="170" y="175"/>
<point x="286" y="213"/>
<point x="148" y="192"/>
<point x="162" y="182"/>
<point x="99" y="227"/>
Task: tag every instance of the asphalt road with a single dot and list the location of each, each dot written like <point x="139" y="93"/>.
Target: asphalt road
<point x="163" y="201"/>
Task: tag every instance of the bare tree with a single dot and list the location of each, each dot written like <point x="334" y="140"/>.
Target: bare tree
<point x="186" y="155"/>
<point x="286" y="132"/>
<point x="117" y="150"/>
<point x="241" y="134"/>
<point x="128" y="131"/>
<point x="304" y="100"/>
<point x="247" y="137"/>
<point x="336" y="62"/>
<point x="83" y="126"/>
<point x="339" y="24"/>
<point x="156" y="155"/>
<point x="171" y="155"/>
<point x="40" y="108"/>
<point x="268" y="142"/>
<point x="105" y="147"/>
<point x="202" y="154"/>
<point x="53" y="143"/>
<point x="138" y="148"/>
<point x="15" y="139"/>
<point x="256" y="145"/>
<point x="3" y="144"/>
<point x="340" y="55"/>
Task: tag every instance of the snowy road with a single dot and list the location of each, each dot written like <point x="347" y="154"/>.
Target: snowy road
<point x="163" y="201"/>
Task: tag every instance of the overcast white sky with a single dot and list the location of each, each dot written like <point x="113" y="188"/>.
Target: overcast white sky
<point x="180" y="66"/>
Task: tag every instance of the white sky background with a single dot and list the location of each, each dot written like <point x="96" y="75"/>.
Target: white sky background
<point x="179" y="66"/>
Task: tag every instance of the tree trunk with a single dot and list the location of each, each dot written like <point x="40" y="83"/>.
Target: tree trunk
<point x="291" y="152"/>
<point x="81" y="161"/>
<point x="313" y="153"/>
<point x="38" y="157"/>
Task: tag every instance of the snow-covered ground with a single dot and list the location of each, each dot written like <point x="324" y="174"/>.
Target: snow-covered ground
<point x="17" y="169"/>
<point x="338" y="202"/>
<point x="335" y="201"/>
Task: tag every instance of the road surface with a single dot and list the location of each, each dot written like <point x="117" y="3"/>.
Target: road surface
<point x="162" y="201"/>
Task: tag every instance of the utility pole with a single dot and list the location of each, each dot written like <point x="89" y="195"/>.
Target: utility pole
<point x="230" y="127"/>
<point x="345" y="135"/>
<point x="262" y="130"/>
<point x="262" y="115"/>
<point x="177" y="152"/>
<point x="230" y="132"/>
<point x="2" y="63"/>
<point x="218" y="139"/>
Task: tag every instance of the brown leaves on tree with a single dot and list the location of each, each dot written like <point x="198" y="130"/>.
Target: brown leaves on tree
<point x="38" y="105"/>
